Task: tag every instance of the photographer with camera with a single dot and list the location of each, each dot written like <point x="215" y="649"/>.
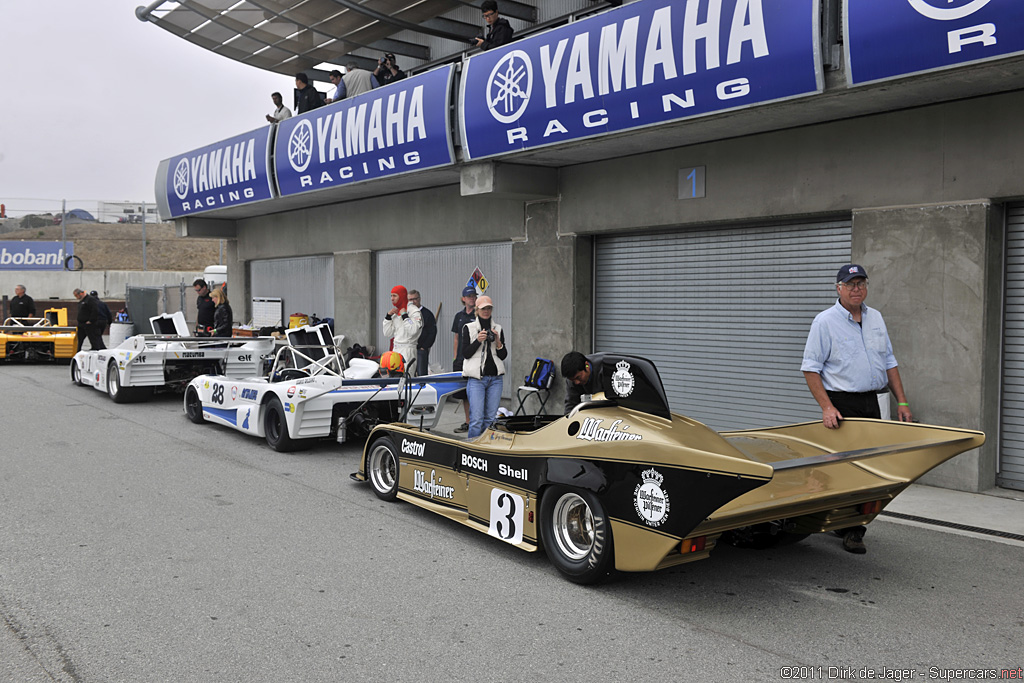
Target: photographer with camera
<point x="387" y="70"/>
<point x="483" y="347"/>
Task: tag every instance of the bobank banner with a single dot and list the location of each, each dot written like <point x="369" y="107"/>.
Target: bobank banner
<point x="226" y="173"/>
<point x="646" y="63"/>
<point x="399" y="128"/>
<point x="891" y="38"/>
<point x="34" y="255"/>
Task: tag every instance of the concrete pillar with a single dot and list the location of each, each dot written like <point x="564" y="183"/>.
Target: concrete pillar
<point x="931" y="269"/>
<point x="551" y="297"/>
<point x="353" y="299"/>
<point x="238" y="283"/>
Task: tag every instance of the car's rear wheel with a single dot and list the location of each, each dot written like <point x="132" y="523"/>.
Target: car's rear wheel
<point x="76" y="374"/>
<point x="193" y="406"/>
<point x="382" y="468"/>
<point x="576" y="535"/>
<point x="275" y="427"/>
<point x="117" y="393"/>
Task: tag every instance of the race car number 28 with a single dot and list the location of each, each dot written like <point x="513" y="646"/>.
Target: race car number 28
<point x="218" y="393"/>
<point x="506" y="516"/>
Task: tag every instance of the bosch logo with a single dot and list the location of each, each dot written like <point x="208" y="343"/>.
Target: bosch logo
<point x="509" y="86"/>
<point x="933" y="10"/>
<point x="300" y="146"/>
<point x="181" y="179"/>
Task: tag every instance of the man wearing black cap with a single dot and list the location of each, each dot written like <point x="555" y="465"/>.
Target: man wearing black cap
<point x="848" y="362"/>
<point x="462" y="318"/>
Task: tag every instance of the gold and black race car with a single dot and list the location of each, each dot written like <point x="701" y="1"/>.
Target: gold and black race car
<point x="621" y="483"/>
<point x="39" y="339"/>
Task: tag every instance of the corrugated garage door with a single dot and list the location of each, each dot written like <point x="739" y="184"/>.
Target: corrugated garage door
<point x="440" y="275"/>
<point x="306" y="284"/>
<point x="1011" y="445"/>
<point x="724" y="313"/>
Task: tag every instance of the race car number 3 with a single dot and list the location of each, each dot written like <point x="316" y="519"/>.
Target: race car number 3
<point x="506" y="516"/>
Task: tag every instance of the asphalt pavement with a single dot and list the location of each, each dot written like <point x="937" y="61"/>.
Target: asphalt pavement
<point x="136" y="546"/>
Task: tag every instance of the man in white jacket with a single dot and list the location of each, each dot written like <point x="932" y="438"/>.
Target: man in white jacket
<point x="403" y="323"/>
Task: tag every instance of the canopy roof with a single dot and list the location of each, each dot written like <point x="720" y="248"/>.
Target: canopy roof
<point x="288" y="36"/>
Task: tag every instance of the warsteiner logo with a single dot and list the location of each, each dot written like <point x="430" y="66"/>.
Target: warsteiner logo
<point x="650" y="500"/>
<point x="927" y="8"/>
<point x="509" y="86"/>
<point x="622" y="379"/>
<point x="300" y="146"/>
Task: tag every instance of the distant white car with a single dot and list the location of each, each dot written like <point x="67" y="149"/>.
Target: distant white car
<point x="167" y="360"/>
<point x="311" y="393"/>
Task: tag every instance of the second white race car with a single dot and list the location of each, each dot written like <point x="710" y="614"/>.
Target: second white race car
<point x="311" y="393"/>
<point x="145" y="363"/>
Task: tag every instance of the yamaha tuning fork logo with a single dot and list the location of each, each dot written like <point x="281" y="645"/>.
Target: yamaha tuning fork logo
<point x="300" y="146"/>
<point x="181" y="179"/>
<point x="509" y="87"/>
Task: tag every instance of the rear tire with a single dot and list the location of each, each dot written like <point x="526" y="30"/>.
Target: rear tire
<point x="76" y="374"/>
<point x="193" y="406"/>
<point x="116" y="392"/>
<point x="275" y="426"/>
<point x="382" y="468"/>
<point x="576" y="535"/>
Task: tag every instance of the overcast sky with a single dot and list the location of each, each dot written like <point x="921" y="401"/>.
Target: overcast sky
<point x="93" y="99"/>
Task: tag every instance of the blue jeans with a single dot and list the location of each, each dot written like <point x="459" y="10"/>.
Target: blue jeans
<point x="484" y="399"/>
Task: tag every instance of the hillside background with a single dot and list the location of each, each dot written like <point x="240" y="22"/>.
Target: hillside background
<point x="118" y="246"/>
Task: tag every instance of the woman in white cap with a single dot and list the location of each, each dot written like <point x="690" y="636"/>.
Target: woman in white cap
<point x="483" y="347"/>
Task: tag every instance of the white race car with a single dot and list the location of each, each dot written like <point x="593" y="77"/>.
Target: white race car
<point x="312" y="393"/>
<point x="167" y="360"/>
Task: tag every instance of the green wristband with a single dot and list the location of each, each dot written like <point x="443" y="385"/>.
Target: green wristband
<point x="903" y="404"/>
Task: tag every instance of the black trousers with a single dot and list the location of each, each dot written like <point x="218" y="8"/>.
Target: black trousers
<point x="94" y="333"/>
<point x="856" y="405"/>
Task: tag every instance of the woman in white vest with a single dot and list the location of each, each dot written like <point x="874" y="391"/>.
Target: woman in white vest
<point x="404" y="323"/>
<point x="483" y="344"/>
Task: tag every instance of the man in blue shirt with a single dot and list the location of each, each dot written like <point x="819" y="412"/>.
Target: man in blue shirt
<point x="848" y="362"/>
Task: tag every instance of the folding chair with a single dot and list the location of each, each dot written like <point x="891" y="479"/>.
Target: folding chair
<point x="537" y="383"/>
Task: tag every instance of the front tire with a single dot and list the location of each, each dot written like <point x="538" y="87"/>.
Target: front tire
<point x="382" y="468"/>
<point x="193" y="406"/>
<point x="76" y="374"/>
<point x="275" y="426"/>
<point x="576" y="535"/>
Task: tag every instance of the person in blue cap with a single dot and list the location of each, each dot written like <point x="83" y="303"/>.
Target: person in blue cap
<point x="848" y="362"/>
<point x="462" y="318"/>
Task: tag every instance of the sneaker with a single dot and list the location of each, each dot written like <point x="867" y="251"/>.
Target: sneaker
<point x="464" y="427"/>
<point x="853" y="542"/>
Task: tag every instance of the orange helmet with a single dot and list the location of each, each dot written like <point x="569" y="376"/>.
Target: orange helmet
<point x="391" y="363"/>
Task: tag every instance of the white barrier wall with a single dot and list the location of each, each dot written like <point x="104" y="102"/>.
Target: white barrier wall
<point x="43" y="284"/>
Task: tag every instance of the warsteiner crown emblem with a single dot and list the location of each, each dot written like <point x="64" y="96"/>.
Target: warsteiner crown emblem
<point x="622" y="379"/>
<point x="650" y="500"/>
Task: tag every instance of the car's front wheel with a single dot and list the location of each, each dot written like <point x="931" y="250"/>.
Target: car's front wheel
<point x="576" y="534"/>
<point x="382" y="468"/>
<point x="275" y="427"/>
<point x="193" y="406"/>
<point x="76" y="374"/>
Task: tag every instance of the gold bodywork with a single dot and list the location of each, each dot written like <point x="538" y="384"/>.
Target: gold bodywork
<point x="46" y="338"/>
<point x="803" y="476"/>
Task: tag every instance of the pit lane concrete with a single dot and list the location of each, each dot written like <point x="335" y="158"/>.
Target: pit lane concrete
<point x="135" y="546"/>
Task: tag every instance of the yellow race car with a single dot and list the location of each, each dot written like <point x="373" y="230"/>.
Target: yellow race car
<point x="39" y="339"/>
<point x="622" y="483"/>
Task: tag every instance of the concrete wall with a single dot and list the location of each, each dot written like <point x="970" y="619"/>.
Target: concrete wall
<point x="929" y="266"/>
<point x="943" y="153"/>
